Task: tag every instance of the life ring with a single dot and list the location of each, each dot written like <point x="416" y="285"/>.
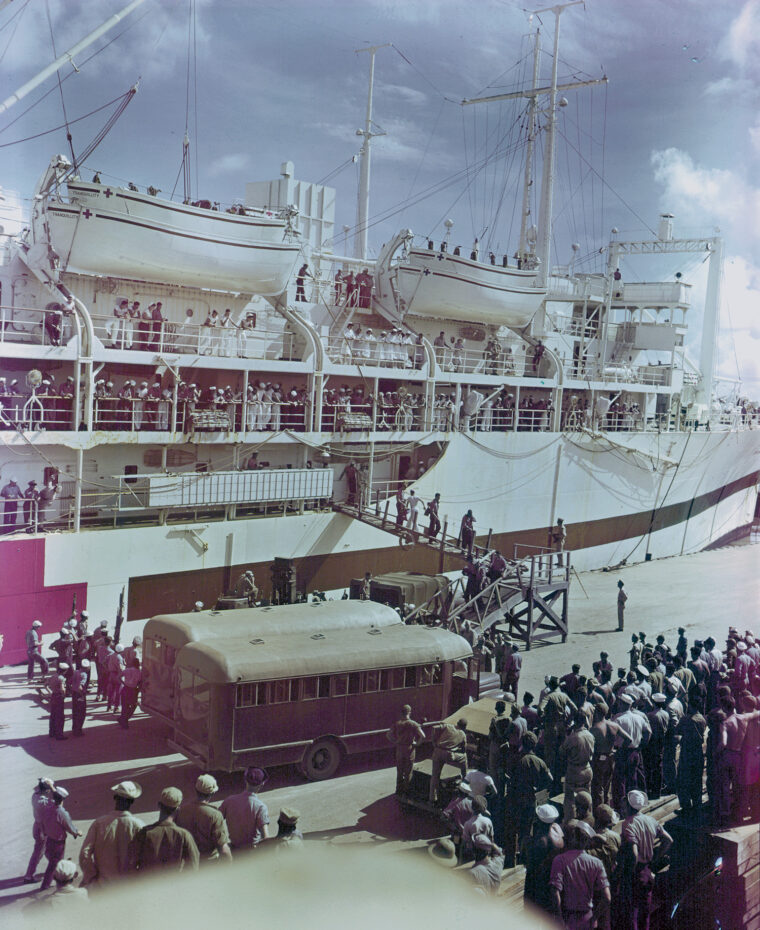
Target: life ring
<point x="406" y="539"/>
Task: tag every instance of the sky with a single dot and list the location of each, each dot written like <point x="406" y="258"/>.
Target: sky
<point x="676" y="129"/>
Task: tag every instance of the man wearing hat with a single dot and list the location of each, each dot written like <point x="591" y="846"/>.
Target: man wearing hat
<point x="11" y="494"/>
<point x="633" y="731"/>
<point x="56" y="683"/>
<point x="479" y="823"/>
<point x="538" y="853"/>
<point x="639" y="836"/>
<point x="114" y="668"/>
<point x="578" y="751"/>
<point x="605" y="844"/>
<point x="449" y="748"/>
<point x="691" y="729"/>
<point x="246" y="814"/>
<point x="530" y="775"/>
<point x="40" y="800"/>
<point x="56" y="825"/>
<point x="621" y="599"/>
<point x="108" y="852"/>
<point x="205" y="822"/>
<point x="405" y="734"/>
<point x="289" y="837"/>
<point x="489" y="864"/>
<point x="659" y="721"/>
<point x="164" y="845"/>
<point x="80" y="680"/>
<point x="67" y="900"/>
<point x="458" y="811"/>
<point x="579" y="885"/>
<point x="29" y="507"/>
<point x="33" y="653"/>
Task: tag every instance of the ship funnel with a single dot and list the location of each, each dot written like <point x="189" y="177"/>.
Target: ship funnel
<point x="665" y="229"/>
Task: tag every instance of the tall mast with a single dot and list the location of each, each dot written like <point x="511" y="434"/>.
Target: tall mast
<point x="522" y="250"/>
<point x="68" y="56"/>
<point x="547" y="181"/>
<point x="362" y="212"/>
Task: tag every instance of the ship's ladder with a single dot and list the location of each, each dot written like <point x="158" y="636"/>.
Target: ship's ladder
<point x="529" y="601"/>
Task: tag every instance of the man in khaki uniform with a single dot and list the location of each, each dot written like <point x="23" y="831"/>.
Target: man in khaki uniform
<point x="108" y="852"/>
<point x="449" y="748"/>
<point x="205" y="822"/>
<point x="164" y="845"/>
<point x="406" y="734"/>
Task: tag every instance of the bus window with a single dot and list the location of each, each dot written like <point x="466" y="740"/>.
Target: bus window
<point x="309" y="689"/>
<point x="354" y="682"/>
<point x="340" y="685"/>
<point x="372" y="680"/>
<point x="395" y="678"/>
<point x="430" y="675"/>
<point x="246" y="695"/>
<point x="261" y="693"/>
<point x="410" y="676"/>
<point x="279" y="691"/>
<point x="324" y="686"/>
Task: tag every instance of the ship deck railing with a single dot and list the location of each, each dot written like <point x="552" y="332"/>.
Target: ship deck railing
<point x="236" y="340"/>
<point x="31" y="326"/>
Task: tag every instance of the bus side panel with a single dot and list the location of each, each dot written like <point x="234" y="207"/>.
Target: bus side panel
<point x="380" y="710"/>
<point x="220" y="727"/>
<point x="292" y="721"/>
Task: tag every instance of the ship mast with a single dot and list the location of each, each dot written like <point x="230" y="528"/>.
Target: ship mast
<point x="362" y="212"/>
<point x="547" y="182"/>
<point x="522" y="251"/>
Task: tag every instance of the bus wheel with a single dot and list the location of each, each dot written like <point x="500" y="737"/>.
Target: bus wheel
<point x="321" y="760"/>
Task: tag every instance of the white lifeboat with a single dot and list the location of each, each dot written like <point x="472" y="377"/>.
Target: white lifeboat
<point x="108" y="230"/>
<point x="440" y="285"/>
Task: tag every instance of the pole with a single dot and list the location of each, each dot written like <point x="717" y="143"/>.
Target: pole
<point x="528" y="178"/>
<point x="710" y="324"/>
<point x="362" y="213"/>
<point x="547" y="183"/>
<point x="68" y="56"/>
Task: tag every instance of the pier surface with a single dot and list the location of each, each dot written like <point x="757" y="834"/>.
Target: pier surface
<point x="704" y="592"/>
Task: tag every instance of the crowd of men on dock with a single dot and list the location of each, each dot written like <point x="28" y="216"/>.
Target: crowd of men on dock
<point x="610" y="743"/>
<point x="594" y="750"/>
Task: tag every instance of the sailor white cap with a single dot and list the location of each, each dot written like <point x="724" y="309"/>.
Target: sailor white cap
<point x="60" y="791"/>
<point x="547" y="813"/>
<point x="199" y="605"/>
<point x="63" y="666"/>
<point x="741" y="646"/>
<point x="625" y="698"/>
<point x="118" y="648"/>
<point x="85" y="663"/>
<point x="103" y="624"/>
<point x="37" y="623"/>
<point x="637" y="800"/>
<point x="65" y="871"/>
<point x="659" y="698"/>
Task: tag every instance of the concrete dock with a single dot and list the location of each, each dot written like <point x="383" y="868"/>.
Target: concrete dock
<point x="704" y="593"/>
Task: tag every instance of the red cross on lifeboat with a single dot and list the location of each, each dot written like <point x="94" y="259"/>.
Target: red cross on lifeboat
<point x="108" y="192"/>
<point x="87" y="213"/>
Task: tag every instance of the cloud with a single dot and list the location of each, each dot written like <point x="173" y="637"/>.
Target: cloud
<point x="729" y="86"/>
<point x="708" y="195"/>
<point x="233" y="161"/>
<point x="407" y="95"/>
<point x="741" y="44"/>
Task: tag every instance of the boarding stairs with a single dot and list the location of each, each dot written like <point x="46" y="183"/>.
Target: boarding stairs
<point x="529" y="601"/>
<point x="379" y="516"/>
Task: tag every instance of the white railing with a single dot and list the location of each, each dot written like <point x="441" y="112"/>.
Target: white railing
<point x="376" y="353"/>
<point x="32" y="326"/>
<point x="229" y="341"/>
<point x="504" y="362"/>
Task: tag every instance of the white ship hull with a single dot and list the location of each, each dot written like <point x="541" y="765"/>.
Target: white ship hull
<point x="122" y="233"/>
<point x="630" y="497"/>
<point x="442" y="286"/>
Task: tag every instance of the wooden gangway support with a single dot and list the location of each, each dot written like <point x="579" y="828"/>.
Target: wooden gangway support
<point x="531" y="598"/>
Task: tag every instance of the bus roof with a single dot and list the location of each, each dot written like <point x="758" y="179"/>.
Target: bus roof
<point x="298" y="654"/>
<point x="179" y="629"/>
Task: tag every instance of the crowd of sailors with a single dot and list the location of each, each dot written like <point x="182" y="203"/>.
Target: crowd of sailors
<point x="562" y="785"/>
<point x="571" y="773"/>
